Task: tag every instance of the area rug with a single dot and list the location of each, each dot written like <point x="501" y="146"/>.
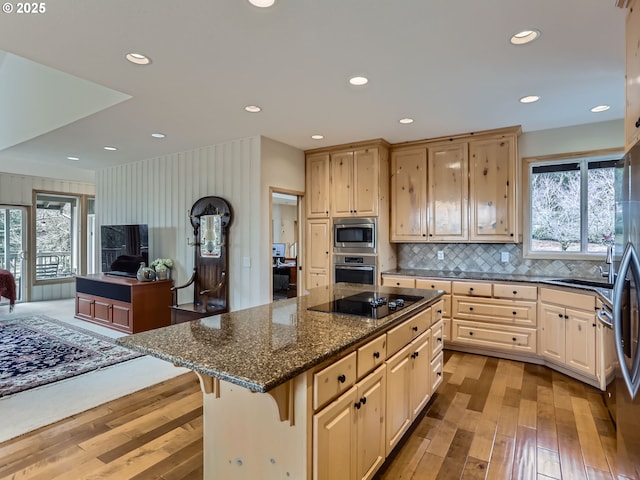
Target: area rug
<point x="37" y="350"/>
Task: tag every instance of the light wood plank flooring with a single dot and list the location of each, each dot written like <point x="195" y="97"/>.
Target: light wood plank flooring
<point x="490" y="419"/>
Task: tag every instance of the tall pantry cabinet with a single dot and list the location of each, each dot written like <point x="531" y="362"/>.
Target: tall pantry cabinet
<point x="345" y="181"/>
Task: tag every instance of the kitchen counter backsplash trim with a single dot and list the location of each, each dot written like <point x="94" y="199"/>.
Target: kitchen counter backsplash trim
<point x="262" y="347"/>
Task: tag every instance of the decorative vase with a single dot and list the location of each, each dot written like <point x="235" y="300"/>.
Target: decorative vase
<point x="162" y="275"/>
<point x="145" y="274"/>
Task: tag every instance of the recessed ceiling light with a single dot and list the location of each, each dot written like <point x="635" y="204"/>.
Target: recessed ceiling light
<point x="138" y="58"/>
<point x="529" y="99"/>
<point x="317" y="137"/>
<point x="262" y="3"/>
<point x="600" y="108"/>
<point x="253" y="108"/>
<point x="158" y="135"/>
<point x="358" y="81"/>
<point x="525" y="36"/>
<point x="406" y="121"/>
<point x="73" y="158"/>
<point x="111" y="149"/>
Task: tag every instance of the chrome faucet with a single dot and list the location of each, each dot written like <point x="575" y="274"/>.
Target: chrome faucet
<point x="609" y="261"/>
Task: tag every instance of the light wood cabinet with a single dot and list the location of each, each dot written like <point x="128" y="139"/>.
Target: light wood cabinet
<point x="349" y="434"/>
<point x="469" y="184"/>
<point x="448" y="192"/>
<point x="123" y="304"/>
<point x="354" y="183"/>
<point x="409" y="195"/>
<point x="317" y="186"/>
<point x="318" y="253"/>
<point x="568" y="330"/>
<point x="492" y="193"/>
<point x="632" y="89"/>
<point x="398" y="281"/>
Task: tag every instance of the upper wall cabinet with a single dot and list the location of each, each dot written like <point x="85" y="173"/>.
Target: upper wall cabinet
<point x="459" y="190"/>
<point x="354" y="183"/>
<point x="409" y="195"/>
<point x="632" y="112"/>
<point x="492" y="192"/>
<point x="317" y="180"/>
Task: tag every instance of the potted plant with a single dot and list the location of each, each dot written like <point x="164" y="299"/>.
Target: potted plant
<point x="162" y="266"/>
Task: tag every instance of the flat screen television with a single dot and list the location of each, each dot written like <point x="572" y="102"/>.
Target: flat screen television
<point x="123" y="248"/>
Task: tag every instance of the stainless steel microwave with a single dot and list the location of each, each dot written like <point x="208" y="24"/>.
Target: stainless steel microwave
<point x="354" y="235"/>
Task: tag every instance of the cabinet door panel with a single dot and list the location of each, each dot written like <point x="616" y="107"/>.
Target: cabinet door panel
<point x="409" y="196"/>
<point x="492" y="189"/>
<point x="102" y="310"/>
<point x="84" y="306"/>
<point x="420" y="373"/>
<point x="318" y="251"/>
<point x="437" y="371"/>
<point x="552" y="339"/>
<point x="371" y="424"/>
<point x="334" y="439"/>
<point x="342" y="184"/>
<point x="317" y="180"/>
<point x="365" y="177"/>
<point x="448" y="192"/>
<point x="398" y="399"/>
<point x="581" y="341"/>
<point x="121" y="314"/>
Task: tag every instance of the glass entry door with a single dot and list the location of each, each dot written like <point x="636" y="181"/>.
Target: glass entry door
<point x="13" y="240"/>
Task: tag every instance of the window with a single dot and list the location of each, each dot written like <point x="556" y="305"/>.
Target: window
<point x="571" y="206"/>
<point x="56" y="236"/>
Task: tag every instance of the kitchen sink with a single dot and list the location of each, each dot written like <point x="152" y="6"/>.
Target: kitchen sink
<point x="579" y="281"/>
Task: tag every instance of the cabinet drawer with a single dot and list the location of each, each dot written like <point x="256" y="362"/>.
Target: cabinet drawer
<point x="406" y="282"/>
<point x="519" y="292"/>
<point x="371" y="355"/>
<point x="437" y="372"/>
<point x="437" y="339"/>
<point x="399" y="336"/>
<point x="471" y="288"/>
<point x="437" y="311"/>
<point x="429" y="284"/>
<point x="333" y="380"/>
<point x="494" y="336"/>
<point x="568" y="299"/>
<point x="495" y="310"/>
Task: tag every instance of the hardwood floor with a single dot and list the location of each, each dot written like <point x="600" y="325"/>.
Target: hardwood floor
<point x="491" y="418"/>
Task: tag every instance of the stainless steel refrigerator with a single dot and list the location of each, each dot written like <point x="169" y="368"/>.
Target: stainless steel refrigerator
<point x="626" y="313"/>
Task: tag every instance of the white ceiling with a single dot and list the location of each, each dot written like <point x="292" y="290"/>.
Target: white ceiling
<point x="449" y="65"/>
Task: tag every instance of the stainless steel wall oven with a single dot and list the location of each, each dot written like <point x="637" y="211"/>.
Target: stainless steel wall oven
<point x="355" y="269"/>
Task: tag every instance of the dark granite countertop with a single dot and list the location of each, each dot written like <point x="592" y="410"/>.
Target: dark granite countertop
<point x="604" y="293"/>
<point x="262" y="347"/>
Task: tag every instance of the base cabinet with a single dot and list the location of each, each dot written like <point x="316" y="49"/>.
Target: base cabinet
<point x="123" y="304"/>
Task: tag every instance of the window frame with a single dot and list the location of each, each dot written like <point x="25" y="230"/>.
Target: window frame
<point x="577" y="157"/>
<point x="80" y="236"/>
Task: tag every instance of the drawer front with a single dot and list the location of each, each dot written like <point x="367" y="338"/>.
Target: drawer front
<point x="437" y="372"/>
<point x="437" y="339"/>
<point x="476" y="289"/>
<point x="568" y="299"/>
<point x="371" y="355"/>
<point x="334" y="380"/>
<point x="515" y="291"/>
<point x="437" y="311"/>
<point x="404" y="333"/>
<point x="429" y="284"/>
<point x="405" y="282"/>
<point x="494" y="336"/>
<point x="495" y="310"/>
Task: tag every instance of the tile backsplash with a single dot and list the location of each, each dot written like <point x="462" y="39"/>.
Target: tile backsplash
<point x="486" y="257"/>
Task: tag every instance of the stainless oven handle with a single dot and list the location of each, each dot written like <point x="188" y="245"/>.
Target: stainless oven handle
<point x="351" y="267"/>
<point x="605" y="317"/>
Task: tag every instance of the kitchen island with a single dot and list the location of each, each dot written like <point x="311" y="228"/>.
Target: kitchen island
<point x="272" y="377"/>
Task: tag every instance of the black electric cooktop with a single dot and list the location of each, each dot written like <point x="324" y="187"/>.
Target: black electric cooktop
<point x="368" y="304"/>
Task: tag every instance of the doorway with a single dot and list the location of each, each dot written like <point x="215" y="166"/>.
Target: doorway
<point x="13" y="240"/>
<point x="285" y="244"/>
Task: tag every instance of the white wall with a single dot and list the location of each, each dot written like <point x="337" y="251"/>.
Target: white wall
<point x="160" y="192"/>
<point x="592" y="136"/>
<point x="17" y="190"/>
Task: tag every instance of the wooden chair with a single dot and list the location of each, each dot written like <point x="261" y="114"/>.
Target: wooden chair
<point x="210" y="278"/>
